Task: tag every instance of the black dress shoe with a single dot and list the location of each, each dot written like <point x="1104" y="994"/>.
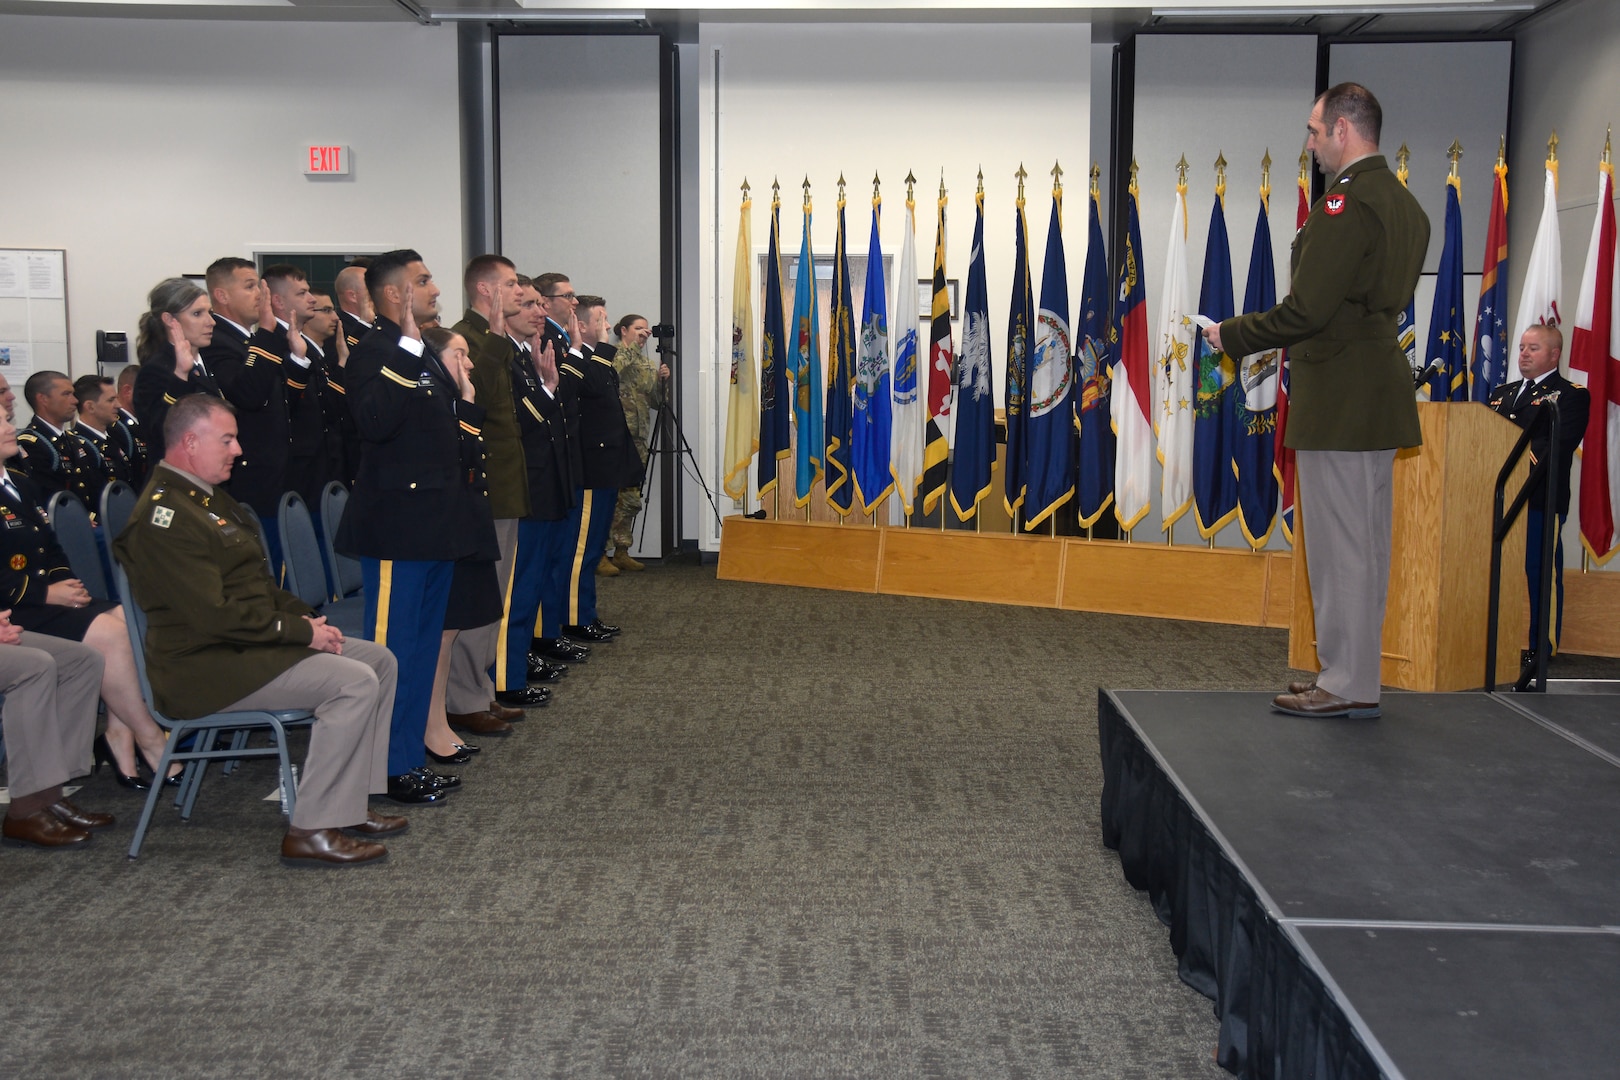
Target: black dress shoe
<point x="530" y="697"/>
<point x="543" y="670"/>
<point x="607" y="628"/>
<point x="455" y="757"/>
<point x="586" y="633"/>
<point x="469" y="748"/>
<point x="414" y="790"/>
<point x="560" y="650"/>
<point x="442" y="781"/>
<point x="101" y="750"/>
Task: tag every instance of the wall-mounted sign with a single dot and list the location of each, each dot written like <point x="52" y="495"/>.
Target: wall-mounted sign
<point x="326" y="161"/>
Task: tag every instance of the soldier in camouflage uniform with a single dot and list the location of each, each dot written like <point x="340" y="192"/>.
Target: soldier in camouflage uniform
<point x="641" y="390"/>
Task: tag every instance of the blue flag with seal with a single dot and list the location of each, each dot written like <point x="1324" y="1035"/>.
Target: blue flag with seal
<point x="1093" y="359"/>
<point x="975" y="404"/>
<point x="810" y="439"/>
<point x="1215" y="415"/>
<point x="840" y="414"/>
<point x="1446" y="359"/>
<point x="1049" y="401"/>
<point x="1259" y="377"/>
<point x="873" y="407"/>
<point x="1020" y="325"/>
<point x="774" y="432"/>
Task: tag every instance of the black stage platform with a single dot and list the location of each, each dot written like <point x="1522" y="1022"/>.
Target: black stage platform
<point x="1435" y="893"/>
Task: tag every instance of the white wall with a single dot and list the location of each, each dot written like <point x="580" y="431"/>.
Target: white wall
<point x="797" y="99"/>
<point x="151" y="147"/>
<point x="1567" y="80"/>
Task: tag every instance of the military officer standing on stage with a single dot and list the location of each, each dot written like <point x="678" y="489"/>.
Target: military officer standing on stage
<point x="1521" y="401"/>
<point x="1355" y="265"/>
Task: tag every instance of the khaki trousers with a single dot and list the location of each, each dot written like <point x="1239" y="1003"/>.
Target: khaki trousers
<point x="468" y="688"/>
<point x="51" y="686"/>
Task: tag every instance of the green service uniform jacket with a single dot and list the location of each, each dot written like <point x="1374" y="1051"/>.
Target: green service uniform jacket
<point x="1355" y="265"/>
<point x="218" y="628"/>
<point x="492" y="387"/>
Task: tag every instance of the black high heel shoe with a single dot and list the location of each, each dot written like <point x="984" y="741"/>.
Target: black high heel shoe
<point x="144" y="769"/>
<point x="460" y="757"/>
<point x="102" y="751"/>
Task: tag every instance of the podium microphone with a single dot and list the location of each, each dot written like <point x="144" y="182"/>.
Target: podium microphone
<point x="1423" y="376"/>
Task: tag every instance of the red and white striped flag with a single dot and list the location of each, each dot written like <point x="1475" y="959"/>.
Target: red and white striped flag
<point x="1595" y="350"/>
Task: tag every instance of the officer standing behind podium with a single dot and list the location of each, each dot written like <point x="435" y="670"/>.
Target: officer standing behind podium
<point x="413" y="510"/>
<point x="1355" y="265"/>
<point x="1540" y="348"/>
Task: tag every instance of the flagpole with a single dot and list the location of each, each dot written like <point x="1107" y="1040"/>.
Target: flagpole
<point x="1181" y="193"/>
<point x="1019" y="175"/>
<point x="978" y="515"/>
<point x="811" y="269"/>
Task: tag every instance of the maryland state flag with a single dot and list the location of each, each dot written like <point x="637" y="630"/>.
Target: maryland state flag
<point x="1258" y="376"/>
<point x="1132" y="399"/>
<point x="873" y="409"/>
<point x="1215" y="416"/>
<point x="1487" y="368"/>
<point x="1049" y="432"/>
<point x="806" y="371"/>
<point x="1020" y="325"/>
<point x="840" y="416"/>
<point x="941" y="371"/>
<point x="742" y="408"/>
<point x="774" y="404"/>
<point x="1092" y="361"/>
<point x="1284" y="459"/>
<point x="1446" y="358"/>
<point x="905" y="458"/>
<point x="975" y="404"/>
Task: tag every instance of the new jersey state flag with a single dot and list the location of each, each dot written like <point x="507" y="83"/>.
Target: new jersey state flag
<point x="1049" y="434"/>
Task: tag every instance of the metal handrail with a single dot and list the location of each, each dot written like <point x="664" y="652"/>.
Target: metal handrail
<point x="1501" y="523"/>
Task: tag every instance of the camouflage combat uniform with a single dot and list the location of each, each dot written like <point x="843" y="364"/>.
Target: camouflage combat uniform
<point x="640" y="392"/>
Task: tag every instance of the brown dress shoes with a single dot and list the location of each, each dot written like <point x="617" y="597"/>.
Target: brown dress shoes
<point x="501" y="712"/>
<point x="329" y="848"/>
<point x="1318" y="704"/>
<point x="377" y="825"/>
<point x="68" y="814"/>
<point x="1301" y="687"/>
<point x="42" y="829"/>
<point x="480" y="723"/>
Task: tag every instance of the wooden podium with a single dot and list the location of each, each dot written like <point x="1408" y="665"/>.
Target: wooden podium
<point x="1440" y="563"/>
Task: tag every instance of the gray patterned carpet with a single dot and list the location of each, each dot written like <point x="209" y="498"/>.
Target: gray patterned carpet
<point x="768" y="833"/>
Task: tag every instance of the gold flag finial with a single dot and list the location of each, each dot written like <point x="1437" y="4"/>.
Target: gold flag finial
<point x="877" y="185"/>
<point x="1608" y="148"/>
<point x="1020" y="174"/>
<point x="745" y="187"/>
<point x="1057" y="177"/>
<point x="1181" y="171"/>
<point x="1304" y="166"/>
<point x="981" y="180"/>
<point x="911" y="184"/>
<point x="1096" y="181"/>
<point x="1455" y="153"/>
<point x="1220" y="176"/>
<point x="1134" y="188"/>
<point x="807" y="194"/>
<point x="941" y="185"/>
<point x="776" y="192"/>
<point x="1265" y="178"/>
<point x="840" y="189"/>
<point x="1501" y="151"/>
<point x="1552" y="149"/>
<point x="1402" y="157"/>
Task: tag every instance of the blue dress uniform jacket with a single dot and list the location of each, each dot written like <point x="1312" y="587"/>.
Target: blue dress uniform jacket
<point x="157" y="387"/>
<point x="218" y="628"/>
<point x="251" y="372"/>
<point x="131" y="439"/>
<point x="107" y="463"/>
<point x="57" y="460"/>
<point x="1354" y="266"/>
<point x="420" y="455"/>
<point x="609" y="457"/>
<point x="32" y="559"/>
<point x="545" y="443"/>
<point x="315" y="449"/>
<point x="1574" y="404"/>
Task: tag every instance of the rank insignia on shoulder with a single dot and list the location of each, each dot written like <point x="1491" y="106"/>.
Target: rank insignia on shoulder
<point x="19" y="562"/>
<point x="162" y="516"/>
<point x="1334" y="204"/>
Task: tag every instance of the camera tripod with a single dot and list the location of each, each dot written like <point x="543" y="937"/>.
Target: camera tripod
<point x="668" y="437"/>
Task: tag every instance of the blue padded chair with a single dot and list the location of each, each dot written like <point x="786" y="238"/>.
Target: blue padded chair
<point x="306" y="576"/>
<point x="197" y="736"/>
<point x="117" y="503"/>
<point x="70" y="521"/>
<point x="346" y="579"/>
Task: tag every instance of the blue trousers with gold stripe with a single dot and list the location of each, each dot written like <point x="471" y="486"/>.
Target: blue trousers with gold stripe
<point x="534" y="599"/>
<point x="405" y="604"/>
<point x="592" y="518"/>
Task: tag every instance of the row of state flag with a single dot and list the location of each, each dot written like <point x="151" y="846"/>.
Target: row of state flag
<point x="1090" y="410"/>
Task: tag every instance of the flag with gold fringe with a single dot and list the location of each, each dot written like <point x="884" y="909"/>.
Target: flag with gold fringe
<point x="805" y="370"/>
<point x="840" y="414"/>
<point x="775" y="407"/>
<point x="1446" y="358"/>
<point x="1093" y="358"/>
<point x="1020" y="331"/>
<point x="1488" y="365"/>
<point x="1258" y="376"/>
<point x="941" y="372"/>
<point x="1132" y="399"/>
<point x="1049" y="400"/>
<point x="742" y="406"/>
<point x="975" y="404"/>
<point x="905" y="460"/>
<point x="1215" y="414"/>
<point x="873" y="407"/>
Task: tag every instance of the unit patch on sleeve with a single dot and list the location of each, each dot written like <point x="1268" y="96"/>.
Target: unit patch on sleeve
<point x="1334" y="204"/>
<point x="162" y="516"/>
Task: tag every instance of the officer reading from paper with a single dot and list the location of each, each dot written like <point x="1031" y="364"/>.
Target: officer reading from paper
<point x="1355" y="264"/>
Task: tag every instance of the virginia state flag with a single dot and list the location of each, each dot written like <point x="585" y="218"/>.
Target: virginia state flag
<point x="1093" y="359"/>
<point x="975" y="405"/>
<point x="905" y="459"/>
<point x="1132" y="397"/>
<point x="941" y="372"/>
<point x="1215" y="417"/>
<point x="1488" y="366"/>
<point x="840" y="380"/>
<point x="805" y="370"/>
<point x="1020" y="328"/>
<point x="774" y="403"/>
<point x="873" y="409"/>
<point x="1256" y="405"/>
<point x="1446" y="354"/>
<point x="1049" y="472"/>
<point x="742" y="408"/>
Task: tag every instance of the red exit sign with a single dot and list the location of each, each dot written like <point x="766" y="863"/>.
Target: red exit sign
<point x="326" y="161"/>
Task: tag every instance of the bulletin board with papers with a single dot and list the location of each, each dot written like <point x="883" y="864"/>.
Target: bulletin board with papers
<point x="33" y="312"/>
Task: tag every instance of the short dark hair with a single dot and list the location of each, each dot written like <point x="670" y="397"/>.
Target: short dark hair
<point x="544" y="282"/>
<point x="87" y="386"/>
<point x="525" y="281"/>
<point x="127" y="374"/>
<point x="278" y="273"/>
<point x="38" y="383"/>
<point x="222" y="270"/>
<point x="1356" y="104"/>
<point x="584" y="302"/>
<point x="385" y="268"/>
<point x="624" y="324"/>
<point x="188" y="412"/>
<point x="438" y="337"/>
<point x="482" y="268"/>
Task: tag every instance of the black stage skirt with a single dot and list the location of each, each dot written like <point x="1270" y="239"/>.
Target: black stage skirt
<point x="59" y="620"/>
<point x="475" y="596"/>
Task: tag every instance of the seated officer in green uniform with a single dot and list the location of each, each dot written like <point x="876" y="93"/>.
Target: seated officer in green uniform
<point x="222" y="636"/>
